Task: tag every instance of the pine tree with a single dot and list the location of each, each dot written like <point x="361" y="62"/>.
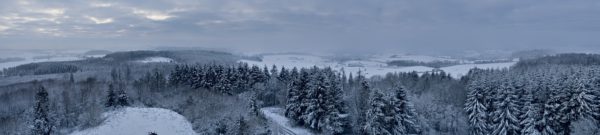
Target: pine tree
<point x="376" y="119"/>
<point x="41" y="122"/>
<point x="266" y="73"/>
<point x="528" y="118"/>
<point x="477" y="110"/>
<point x="581" y="101"/>
<point x="505" y="118"/>
<point x="363" y="98"/>
<point x="315" y="102"/>
<point x="254" y="109"/>
<point x="284" y="76"/>
<point x="296" y="95"/>
<point x="405" y="121"/>
<point x="274" y="72"/>
<point x="223" y="85"/>
<point x="122" y="98"/>
<point x="111" y="98"/>
<point x="71" y="78"/>
<point x="334" y="106"/>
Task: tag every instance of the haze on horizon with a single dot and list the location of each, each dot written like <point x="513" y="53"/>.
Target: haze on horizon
<point x="307" y="25"/>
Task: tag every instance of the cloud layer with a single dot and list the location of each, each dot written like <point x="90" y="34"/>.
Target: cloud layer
<point x="302" y="25"/>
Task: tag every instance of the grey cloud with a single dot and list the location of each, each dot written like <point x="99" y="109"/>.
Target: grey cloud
<point x="304" y="25"/>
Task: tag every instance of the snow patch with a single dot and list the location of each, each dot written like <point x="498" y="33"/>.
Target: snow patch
<point x="141" y="121"/>
<point x="156" y="60"/>
<point x="461" y="70"/>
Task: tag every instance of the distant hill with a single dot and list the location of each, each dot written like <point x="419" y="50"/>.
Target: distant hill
<point x="562" y="59"/>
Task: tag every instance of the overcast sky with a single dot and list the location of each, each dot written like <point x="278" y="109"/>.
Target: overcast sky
<point x="298" y="25"/>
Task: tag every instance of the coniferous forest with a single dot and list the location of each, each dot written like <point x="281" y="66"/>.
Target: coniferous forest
<point x="299" y="67"/>
<point x="537" y="96"/>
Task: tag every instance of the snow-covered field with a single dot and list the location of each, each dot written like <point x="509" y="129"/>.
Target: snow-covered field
<point x="373" y="66"/>
<point x="275" y="116"/>
<point x="461" y="70"/>
<point x="156" y="60"/>
<point x="141" y="121"/>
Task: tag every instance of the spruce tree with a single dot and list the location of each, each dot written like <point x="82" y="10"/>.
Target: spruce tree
<point x="122" y="98"/>
<point x="376" y="119"/>
<point x="581" y="101"/>
<point x="315" y="101"/>
<point x="297" y="94"/>
<point x="41" y="122"/>
<point x="528" y="118"/>
<point x="505" y="118"/>
<point x="254" y="109"/>
<point x="476" y="109"/>
<point x="405" y="121"/>
<point x="334" y="106"/>
<point x="111" y="98"/>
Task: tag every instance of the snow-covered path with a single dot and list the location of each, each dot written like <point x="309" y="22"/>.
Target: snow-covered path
<point x="281" y="123"/>
<point x="141" y="121"/>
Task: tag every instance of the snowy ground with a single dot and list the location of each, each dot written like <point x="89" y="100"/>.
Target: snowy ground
<point x="373" y="66"/>
<point x="275" y="116"/>
<point x="141" y="121"/>
<point x="156" y="60"/>
<point x="461" y="70"/>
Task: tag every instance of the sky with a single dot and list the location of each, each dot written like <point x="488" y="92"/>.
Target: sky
<point x="301" y="25"/>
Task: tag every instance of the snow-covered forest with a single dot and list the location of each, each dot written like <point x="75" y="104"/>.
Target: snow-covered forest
<point x="299" y="67"/>
<point x="551" y="95"/>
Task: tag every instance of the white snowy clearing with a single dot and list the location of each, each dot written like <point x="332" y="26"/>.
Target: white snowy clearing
<point x="461" y="70"/>
<point x="280" y="124"/>
<point x="374" y="66"/>
<point x="141" y="121"/>
<point x="419" y="58"/>
<point x="156" y="60"/>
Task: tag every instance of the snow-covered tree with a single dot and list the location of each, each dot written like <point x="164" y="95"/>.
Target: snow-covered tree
<point x="296" y="95"/>
<point x="505" y="117"/>
<point x="549" y="123"/>
<point x="529" y="116"/>
<point x="122" y="98"/>
<point x="377" y="121"/>
<point x="581" y="102"/>
<point x="111" y="98"/>
<point x="405" y="121"/>
<point x="41" y="122"/>
<point x="477" y="110"/>
<point x="223" y="84"/>
<point x="254" y="108"/>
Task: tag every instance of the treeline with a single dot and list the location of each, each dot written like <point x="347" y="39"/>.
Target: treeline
<point x="562" y="59"/>
<point x="544" y="100"/>
<point x="433" y="64"/>
<point x="220" y="78"/>
<point x="11" y="59"/>
<point x="40" y="69"/>
<point x="315" y="100"/>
